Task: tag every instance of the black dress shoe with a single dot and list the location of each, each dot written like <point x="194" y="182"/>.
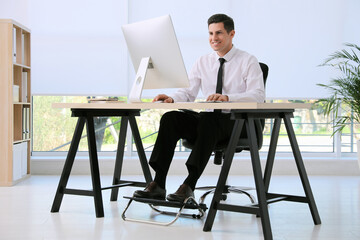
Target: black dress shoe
<point x="152" y="191"/>
<point x="183" y="192"/>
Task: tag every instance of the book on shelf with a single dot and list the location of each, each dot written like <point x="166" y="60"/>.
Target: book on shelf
<point x="14" y="45"/>
<point x="23" y="48"/>
<point x="23" y="123"/>
<point x="26" y="123"/>
<point x="24" y="92"/>
<point x="16" y="96"/>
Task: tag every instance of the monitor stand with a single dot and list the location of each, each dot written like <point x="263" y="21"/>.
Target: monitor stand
<point x="137" y="87"/>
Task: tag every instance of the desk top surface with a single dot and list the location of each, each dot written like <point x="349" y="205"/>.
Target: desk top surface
<point x="183" y="105"/>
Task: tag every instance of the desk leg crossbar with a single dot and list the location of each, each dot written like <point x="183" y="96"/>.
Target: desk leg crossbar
<point x="95" y="192"/>
<point x="262" y="184"/>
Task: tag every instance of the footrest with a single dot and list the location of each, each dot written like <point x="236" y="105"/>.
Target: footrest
<point x="188" y="203"/>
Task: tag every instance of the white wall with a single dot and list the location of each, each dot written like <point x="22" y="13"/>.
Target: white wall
<point x="78" y="47"/>
<point x="17" y="10"/>
<point x="292" y="37"/>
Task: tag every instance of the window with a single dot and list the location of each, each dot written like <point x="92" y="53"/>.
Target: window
<point x="53" y="129"/>
<point x="313" y="131"/>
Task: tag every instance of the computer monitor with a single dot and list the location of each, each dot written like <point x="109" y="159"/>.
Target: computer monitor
<point x="156" y="56"/>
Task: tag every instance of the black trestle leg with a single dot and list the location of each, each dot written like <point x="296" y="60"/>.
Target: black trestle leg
<point x="119" y="157"/>
<point x="223" y="174"/>
<point x="94" y="167"/>
<point x="68" y="164"/>
<point x="140" y="149"/>
<point x="271" y="154"/>
<point x="260" y="188"/>
<point x="301" y="168"/>
<point x="86" y="116"/>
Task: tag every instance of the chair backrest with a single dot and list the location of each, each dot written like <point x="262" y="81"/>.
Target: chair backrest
<point x="265" y="70"/>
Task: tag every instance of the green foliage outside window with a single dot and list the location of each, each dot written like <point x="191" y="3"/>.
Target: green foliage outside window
<point x="53" y="128"/>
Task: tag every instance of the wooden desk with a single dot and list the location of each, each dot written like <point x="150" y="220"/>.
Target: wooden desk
<point x="244" y="115"/>
<point x="182" y="105"/>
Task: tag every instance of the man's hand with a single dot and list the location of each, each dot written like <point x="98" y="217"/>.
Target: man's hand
<point x="164" y="98"/>
<point x="218" y="97"/>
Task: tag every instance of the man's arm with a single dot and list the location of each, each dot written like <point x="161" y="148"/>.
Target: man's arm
<point x="255" y="90"/>
<point x="189" y="94"/>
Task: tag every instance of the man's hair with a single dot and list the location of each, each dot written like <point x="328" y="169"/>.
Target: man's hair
<point x="218" y="18"/>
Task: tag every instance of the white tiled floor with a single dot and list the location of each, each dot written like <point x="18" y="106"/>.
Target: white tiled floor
<point x="25" y="212"/>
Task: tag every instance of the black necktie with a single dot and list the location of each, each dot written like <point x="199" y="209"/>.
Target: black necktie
<point x="219" y="80"/>
<point x="219" y="77"/>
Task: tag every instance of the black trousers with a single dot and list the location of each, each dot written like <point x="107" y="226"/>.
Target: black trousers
<point x="204" y="129"/>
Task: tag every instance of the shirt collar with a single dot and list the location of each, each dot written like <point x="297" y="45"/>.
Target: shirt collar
<point x="228" y="55"/>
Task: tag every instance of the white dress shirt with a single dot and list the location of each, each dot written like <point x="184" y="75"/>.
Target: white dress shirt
<point x="242" y="78"/>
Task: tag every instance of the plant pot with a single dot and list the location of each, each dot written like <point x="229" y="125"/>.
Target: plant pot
<point x="358" y="151"/>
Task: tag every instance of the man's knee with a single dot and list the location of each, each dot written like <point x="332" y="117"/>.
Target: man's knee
<point x="207" y="121"/>
<point x="169" y="117"/>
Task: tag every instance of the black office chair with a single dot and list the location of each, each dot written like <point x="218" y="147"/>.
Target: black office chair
<point x="243" y="144"/>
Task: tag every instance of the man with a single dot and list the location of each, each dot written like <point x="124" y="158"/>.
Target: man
<point x="240" y="80"/>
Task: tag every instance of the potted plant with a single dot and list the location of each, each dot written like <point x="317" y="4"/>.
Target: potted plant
<point x="345" y="89"/>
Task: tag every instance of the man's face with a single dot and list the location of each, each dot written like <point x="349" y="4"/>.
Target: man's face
<point x="220" y="40"/>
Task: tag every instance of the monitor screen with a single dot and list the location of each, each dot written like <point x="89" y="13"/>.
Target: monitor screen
<point x="154" y="41"/>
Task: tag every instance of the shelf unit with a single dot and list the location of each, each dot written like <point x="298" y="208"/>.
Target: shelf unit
<point x="15" y="101"/>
